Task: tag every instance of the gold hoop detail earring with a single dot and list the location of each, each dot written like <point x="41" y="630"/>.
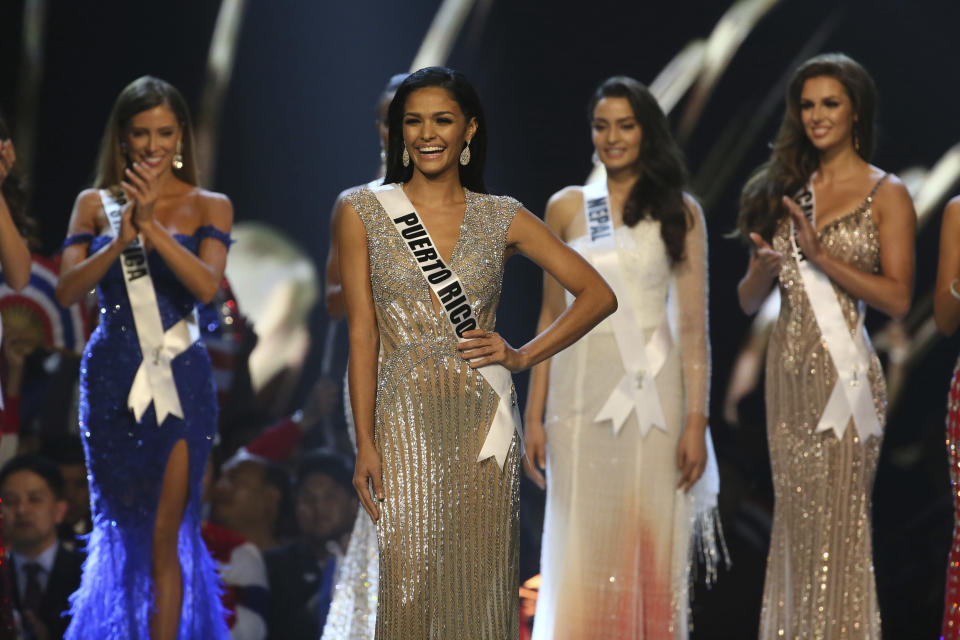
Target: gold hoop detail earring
<point x="465" y="155"/>
<point x="405" y="158"/>
<point x="178" y="156"/>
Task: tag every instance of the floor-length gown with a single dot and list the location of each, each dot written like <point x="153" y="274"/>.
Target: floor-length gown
<point x="353" y="609"/>
<point x="126" y="462"/>
<point x="820" y="579"/>
<point x="951" y="606"/>
<point x="449" y="529"/>
<point x="618" y="534"/>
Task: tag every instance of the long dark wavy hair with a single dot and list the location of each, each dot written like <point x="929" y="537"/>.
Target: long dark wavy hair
<point x="793" y="158"/>
<point x="658" y="192"/>
<point x="15" y="195"/>
<point x="460" y="89"/>
<point x="146" y="92"/>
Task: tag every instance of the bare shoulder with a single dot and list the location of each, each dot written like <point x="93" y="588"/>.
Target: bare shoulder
<point x="953" y="208"/>
<point x="215" y="208"/>
<point x="892" y="200"/>
<point x="88" y="200"/>
<point x="212" y="199"/>
<point x="87" y="212"/>
<point x="563" y="207"/>
<point x="694" y="210"/>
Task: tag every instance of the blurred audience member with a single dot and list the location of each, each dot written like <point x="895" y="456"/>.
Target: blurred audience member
<point x="243" y="572"/>
<point x="313" y="427"/>
<point x="248" y="498"/>
<point x="303" y="572"/>
<point x="44" y="573"/>
<point x="67" y="452"/>
<point x="15" y="265"/>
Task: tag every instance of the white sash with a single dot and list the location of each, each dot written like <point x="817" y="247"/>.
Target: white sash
<point x="153" y="381"/>
<point x="446" y="284"/>
<point x="851" y="396"/>
<point x="637" y="390"/>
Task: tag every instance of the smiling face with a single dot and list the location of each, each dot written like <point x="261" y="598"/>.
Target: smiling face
<point x="151" y="137"/>
<point x="827" y="113"/>
<point x="435" y="130"/>
<point x="616" y="133"/>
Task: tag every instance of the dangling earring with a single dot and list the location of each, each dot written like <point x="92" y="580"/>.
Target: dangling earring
<point x="405" y="158"/>
<point x="465" y="155"/>
<point x="178" y="156"/>
<point x="856" y="141"/>
<point x="595" y="158"/>
<point x="383" y="155"/>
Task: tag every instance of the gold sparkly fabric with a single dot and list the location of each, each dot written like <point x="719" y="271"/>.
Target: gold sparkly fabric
<point x="449" y="527"/>
<point x="820" y="580"/>
<point x="951" y="602"/>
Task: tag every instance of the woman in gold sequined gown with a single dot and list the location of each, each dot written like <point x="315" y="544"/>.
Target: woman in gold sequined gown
<point x="820" y="579"/>
<point x="447" y="524"/>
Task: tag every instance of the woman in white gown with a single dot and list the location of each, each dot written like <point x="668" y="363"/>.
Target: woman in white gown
<point x="619" y="419"/>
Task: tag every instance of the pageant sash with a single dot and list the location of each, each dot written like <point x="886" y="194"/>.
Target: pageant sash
<point x="449" y="290"/>
<point x="153" y="381"/>
<point x="851" y="396"/>
<point x="637" y="390"/>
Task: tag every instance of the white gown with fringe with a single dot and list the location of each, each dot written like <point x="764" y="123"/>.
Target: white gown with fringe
<point x="619" y="537"/>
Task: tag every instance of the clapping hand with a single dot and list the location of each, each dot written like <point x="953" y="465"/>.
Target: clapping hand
<point x="765" y="258"/>
<point x="807" y="239"/>
<point x="140" y="185"/>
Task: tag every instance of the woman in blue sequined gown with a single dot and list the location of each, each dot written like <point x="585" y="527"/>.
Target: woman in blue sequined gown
<point x="148" y="573"/>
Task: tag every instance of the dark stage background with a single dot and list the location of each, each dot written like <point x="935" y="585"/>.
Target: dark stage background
<point x="297" y="127"/>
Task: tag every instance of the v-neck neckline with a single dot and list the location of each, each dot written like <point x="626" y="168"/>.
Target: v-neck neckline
<point x="460" y="228"/>
<point x="863" y="206"/>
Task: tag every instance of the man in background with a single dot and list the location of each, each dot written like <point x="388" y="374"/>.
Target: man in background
<point x="44" y="573"/>
<point x="302" y="573"/>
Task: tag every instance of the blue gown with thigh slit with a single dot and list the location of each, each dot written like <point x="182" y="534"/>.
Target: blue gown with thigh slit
<point x="126" y="462"/>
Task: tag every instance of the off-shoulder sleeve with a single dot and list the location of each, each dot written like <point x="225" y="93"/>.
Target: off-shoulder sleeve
<point x="77" y="238"/>
<point x="210" y="231"/>
<point x="692" y="316"/>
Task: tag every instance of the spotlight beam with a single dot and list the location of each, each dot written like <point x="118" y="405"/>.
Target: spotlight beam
<point x="31" y="75"/>
<point x="220" y="63"/>
<point x="442" y="33"/>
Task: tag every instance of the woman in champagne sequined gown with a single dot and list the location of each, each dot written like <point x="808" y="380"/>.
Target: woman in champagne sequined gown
<point x="946" y="311"/>
<point x="619" y="533"/>
<point x="820" y="579"/>
<point x="447" y="523"/>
